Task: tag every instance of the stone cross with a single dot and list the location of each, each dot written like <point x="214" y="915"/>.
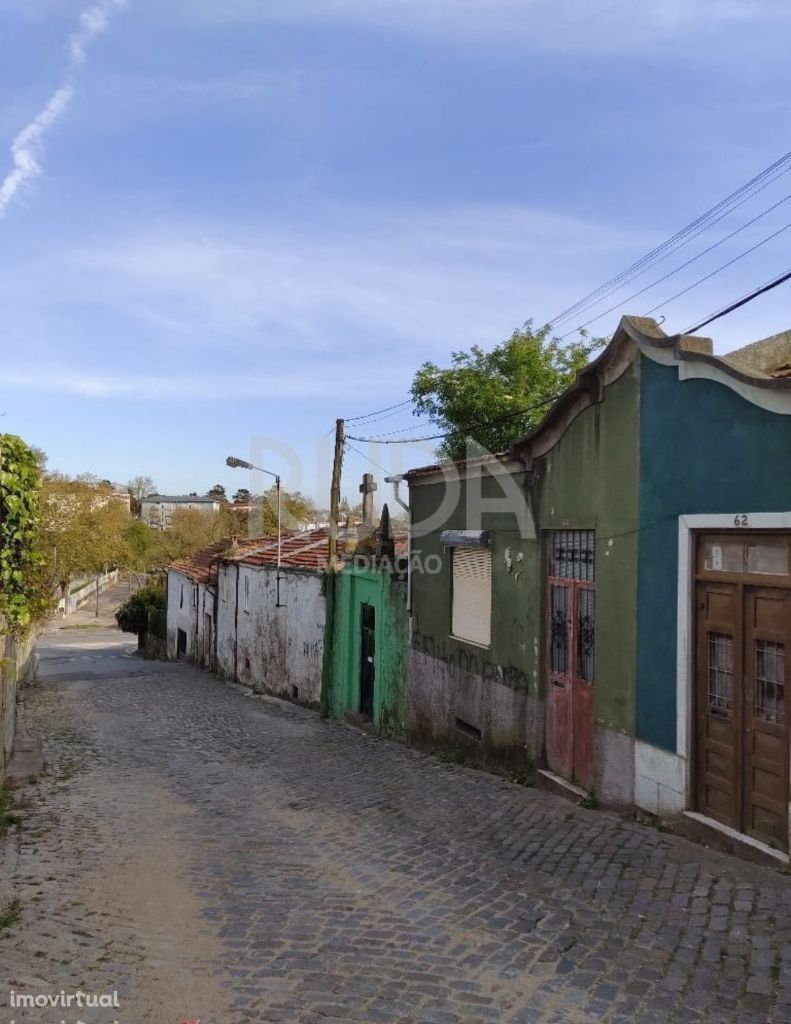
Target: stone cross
<point x="367" y="488"/>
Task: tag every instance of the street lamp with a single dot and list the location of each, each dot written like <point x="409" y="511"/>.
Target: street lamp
<point x="235" y="463"/>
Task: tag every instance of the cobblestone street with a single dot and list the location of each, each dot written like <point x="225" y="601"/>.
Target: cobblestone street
<point x="218" y="856"/>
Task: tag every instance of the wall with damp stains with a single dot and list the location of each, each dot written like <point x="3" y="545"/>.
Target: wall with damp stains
<point x="356" y="586"/>
<point x="277" y="650"/>
<point x="456" y="688"/>
<point x="588" y="480"/>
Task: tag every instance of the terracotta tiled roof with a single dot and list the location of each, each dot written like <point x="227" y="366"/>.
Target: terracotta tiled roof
<point x="202" y="566"/>
<point x="306" y="550"/>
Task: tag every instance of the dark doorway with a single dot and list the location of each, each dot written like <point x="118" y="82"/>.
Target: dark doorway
<point x="181" y="643"/>
<point x="367" y="659"/>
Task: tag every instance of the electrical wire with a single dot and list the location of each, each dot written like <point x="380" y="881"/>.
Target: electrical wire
<point x="377" y="412"/>
<point x="682" y="237"/>
<point x="366" y="457"/>
<point x="481" y="423"/>
<point x="718" y="270"/>
<point x="774" y="283"/>
<point x="683" y="266"/>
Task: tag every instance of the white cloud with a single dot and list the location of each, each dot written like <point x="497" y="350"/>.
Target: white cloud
<point x="425" y="278"/>
<point x="355" y="295"/>
<point x="26" y="147"/>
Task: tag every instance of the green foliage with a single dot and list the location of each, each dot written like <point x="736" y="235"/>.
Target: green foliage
<point x="132" y="616"/>
<point x="83" y="528"/>
<point x="8" y="817"/>
<point x="11" y="915"/>
<point x="21" y="595"/>
<point x="144" y="546"/>
<point x="495" y="396"/>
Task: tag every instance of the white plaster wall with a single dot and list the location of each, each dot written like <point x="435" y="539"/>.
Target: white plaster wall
<point x="180" y="617"/>
<point x="225" y="625"/>
<point x="280" y="649"/>
<point x="659" y="780"/>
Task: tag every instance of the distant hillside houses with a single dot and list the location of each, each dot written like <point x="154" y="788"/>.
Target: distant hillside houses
<point x="157" y="509"/>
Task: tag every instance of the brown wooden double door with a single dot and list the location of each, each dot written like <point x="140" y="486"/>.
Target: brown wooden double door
<point x="742" y="759"/>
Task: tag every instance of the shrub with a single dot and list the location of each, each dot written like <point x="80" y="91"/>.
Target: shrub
<point x="132" y="616"/>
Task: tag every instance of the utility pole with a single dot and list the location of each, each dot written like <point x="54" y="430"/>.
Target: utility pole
<point x="335" y="493"/>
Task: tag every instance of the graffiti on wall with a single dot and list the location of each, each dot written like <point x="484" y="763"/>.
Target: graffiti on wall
<point x="460" y="662"/>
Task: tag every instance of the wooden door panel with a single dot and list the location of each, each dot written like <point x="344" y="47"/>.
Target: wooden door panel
<point x="582" y="738"/>
<point x="767" y="626"/>
<point x="559" y="729"/>
<point x="717" y="702"/>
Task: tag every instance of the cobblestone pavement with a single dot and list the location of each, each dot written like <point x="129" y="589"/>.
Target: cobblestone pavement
<point x="217" y="856"/>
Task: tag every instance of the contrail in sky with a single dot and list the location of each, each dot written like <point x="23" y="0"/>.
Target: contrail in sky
<point x="26" y="147"/>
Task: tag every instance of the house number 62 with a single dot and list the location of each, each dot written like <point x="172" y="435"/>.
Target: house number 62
<point x="741" y="520"/>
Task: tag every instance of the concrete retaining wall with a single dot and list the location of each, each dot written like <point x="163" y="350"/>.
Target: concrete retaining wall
<point x="72" y="602"/>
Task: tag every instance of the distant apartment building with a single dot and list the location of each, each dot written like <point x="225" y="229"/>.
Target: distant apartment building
<point x="157" y="509"/>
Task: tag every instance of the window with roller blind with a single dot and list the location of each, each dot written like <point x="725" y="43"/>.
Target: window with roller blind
<point x="471" y="615"/>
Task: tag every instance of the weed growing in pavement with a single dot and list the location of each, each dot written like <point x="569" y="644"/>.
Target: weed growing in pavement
<point x="8" y="819"/>
<point x="451" y="755"/>
<point x="11" y="915"/>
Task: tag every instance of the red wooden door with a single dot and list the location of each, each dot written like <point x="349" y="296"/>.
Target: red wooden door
<point x="571" y="613"/>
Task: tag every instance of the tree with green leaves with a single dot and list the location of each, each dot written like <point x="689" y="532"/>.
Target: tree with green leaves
<point x="492" y="397"/>
<point x="83" y="529"/>
<point x="24" y="593"/>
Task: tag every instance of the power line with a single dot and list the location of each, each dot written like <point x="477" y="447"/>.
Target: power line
<point x="741" y="302"/>
<point x="449" y="433"/>
<point x="719" y="269"/>
<point x="685" y="235"/>
<point x="366" y="457"/>
<point x="377" y="412"/>
<point x="683" y="266"/>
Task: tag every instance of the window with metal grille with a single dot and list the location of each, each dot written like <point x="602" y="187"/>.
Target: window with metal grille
<point x="559" y="626"/>
<point x="572" y="554"/>
<point x="471" y="616"/>
<point x="586" y="633"/>
<point x="720" y="674"/>
<point x="770" y="673"/>
<point x="246" y="594"/>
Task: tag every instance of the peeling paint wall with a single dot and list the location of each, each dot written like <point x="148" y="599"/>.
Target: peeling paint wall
<point x="356" y="586"/>
<point x="273" y="650"/>
<point x="181" y="614"/>
<point x="588" y="480"/>
<point x="457" y="689"/>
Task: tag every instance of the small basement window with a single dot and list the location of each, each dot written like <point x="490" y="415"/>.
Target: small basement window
<point x="471" y="616"/>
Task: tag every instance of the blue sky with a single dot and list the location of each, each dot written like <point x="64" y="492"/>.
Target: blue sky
<point x="249" y="217"/>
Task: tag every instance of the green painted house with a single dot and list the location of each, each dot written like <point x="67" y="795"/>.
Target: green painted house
<point x="366" y="639"/>
<point x="611" y="601"/>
